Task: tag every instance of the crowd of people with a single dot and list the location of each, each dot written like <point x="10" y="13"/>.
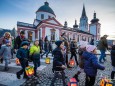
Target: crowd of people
<point x="84" y="55"/>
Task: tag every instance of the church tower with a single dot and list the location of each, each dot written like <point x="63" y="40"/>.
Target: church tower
<point x="94" y="27"/>
<point x="83" y="21"/>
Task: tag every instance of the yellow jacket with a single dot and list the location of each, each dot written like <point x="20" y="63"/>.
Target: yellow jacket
<point x="34" y="50"/>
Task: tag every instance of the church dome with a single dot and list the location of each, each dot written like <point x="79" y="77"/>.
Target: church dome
<point x="46" y="8"/>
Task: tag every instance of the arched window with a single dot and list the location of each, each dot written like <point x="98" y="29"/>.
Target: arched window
<point x="30" y="35"/>
<point x="53" y="34"/>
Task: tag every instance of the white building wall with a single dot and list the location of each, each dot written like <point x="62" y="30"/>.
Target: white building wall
<point x="33" y="35"/>
<point x="26" y="34"/>
<point x="46" y="15"/>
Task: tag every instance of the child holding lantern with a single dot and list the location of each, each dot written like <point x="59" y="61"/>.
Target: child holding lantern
<point x="91" y="65"/>
<point x="35" y="55"/>
<point x="59" y="62"/>
<point x="22" y="55"/>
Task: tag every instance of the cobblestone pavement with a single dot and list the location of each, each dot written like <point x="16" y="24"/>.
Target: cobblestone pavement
<point x="46" y="75"/>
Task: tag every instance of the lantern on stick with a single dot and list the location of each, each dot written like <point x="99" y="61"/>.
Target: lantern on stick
<point x="71" y="63"/>
<point x="72" y="82"/>
<point x="47" y="60"/>
<point x="29" y="70"/>
<point x="17" y="61"/>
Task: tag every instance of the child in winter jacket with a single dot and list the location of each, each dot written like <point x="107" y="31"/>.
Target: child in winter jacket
<point x="35" y="55"/>
<point x="113" y="60"/>
<point x="22" y="55"/>
<point x="91" y="65"/>
<point x="81" y="49"/>
<point x="5" y="53"/>
<point x="59" y="62"/>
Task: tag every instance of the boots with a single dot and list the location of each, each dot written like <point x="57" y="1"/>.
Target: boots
<point x="25" y="76"/>
<point x="18" y="75"/>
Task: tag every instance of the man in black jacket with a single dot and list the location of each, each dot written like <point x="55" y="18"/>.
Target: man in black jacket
<point x="73" y="47"/>
<point x="19" y="40"/>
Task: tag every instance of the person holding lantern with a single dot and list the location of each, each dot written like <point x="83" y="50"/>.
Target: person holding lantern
<point x="22" y="55"/>
<point x="91" y="65"/>
<point x="35" y="55"/>
<point x="58" y="62"/>
<point x="5" y="53"/>
<point x="81" y="49"/>
<point x="73" y="47"/>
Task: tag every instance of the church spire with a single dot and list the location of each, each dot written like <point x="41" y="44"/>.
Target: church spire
<point x="83" y="12"/>
<point x="94" y="20"/>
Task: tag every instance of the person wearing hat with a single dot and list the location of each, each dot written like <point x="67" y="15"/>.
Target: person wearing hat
<point x="5" y="53"/>
<point x="19" y="40"/>
<point x="58" y="62"/>
<point x="103" y="46"/>
<point x="22" y="55"/>
<point x="35" y="55"/>
<point x="81" y="49"/>
<point x="73" y="47"/>
<point x="91" y="65"/>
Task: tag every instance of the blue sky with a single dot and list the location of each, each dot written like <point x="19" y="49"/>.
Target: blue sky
<point x="12" y="11"/>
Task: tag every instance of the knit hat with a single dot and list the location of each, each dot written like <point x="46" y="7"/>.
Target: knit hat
<point x="58" y="43"/>
<point x="24" y="43"/>
<point x="90" y="48"/>
<point x="83" y="44"/>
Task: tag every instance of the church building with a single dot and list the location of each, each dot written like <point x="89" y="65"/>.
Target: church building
<point x="46" y="24"/>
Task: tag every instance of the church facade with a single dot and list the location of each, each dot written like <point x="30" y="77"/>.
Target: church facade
<point x="46" y="24"/>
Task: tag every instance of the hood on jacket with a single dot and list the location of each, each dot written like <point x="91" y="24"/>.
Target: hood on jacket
<point x="86" y="55"/>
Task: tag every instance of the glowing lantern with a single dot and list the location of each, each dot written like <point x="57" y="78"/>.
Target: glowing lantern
<point x="47" y="60"/>
<point x="17" y="61"/>
<point x="72" y="82"/>
<point x="29" y="70"/>
<point x="71" y="63"/>
<point x="105" y="82"/>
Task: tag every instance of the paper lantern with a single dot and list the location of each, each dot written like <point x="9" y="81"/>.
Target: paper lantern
<point x="105" y="82"/>
<point x="72" y="82"/>
<point x="17" y="61"/>
<point x="47" y="60"/>
<point x="71" y="63"/>
<point x="29" y="70"/>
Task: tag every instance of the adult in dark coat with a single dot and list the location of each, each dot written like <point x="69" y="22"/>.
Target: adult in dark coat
<point x="19" y="40"/>
<point x="102" y="46"/>
<point x="66" y="44"/>
<point x="113" y="61"/>
<point x="73" y="47"/>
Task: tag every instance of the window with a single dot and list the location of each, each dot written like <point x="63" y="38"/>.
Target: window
<point x="78" y="38"/>
<point x="39" y="33"/>
<point x="30" y="35"/>
<point x="53" y="34"/>
<point x="42" y="16"/>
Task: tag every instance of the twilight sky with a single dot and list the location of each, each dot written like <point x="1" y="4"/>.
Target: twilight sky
<point x="12" y="11"/>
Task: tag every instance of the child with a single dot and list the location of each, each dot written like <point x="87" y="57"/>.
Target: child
<point x="113" y="60"/>
<point x="58" y="62"/>
<point x="91" y="65"/>
<point x="35" y="55"/>
<point x="22" y="55"/>
<point x="5" y="53"/>
<point x="82" y="48"/>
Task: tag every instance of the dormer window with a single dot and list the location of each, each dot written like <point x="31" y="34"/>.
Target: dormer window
<point x="42" y="16"/>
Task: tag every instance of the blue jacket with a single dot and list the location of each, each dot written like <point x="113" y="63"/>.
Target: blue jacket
<point x="113" y="56"/>
<point x="22" y="53"/>
<point x="58" y="59"/>
<point x="91" y="64"/>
